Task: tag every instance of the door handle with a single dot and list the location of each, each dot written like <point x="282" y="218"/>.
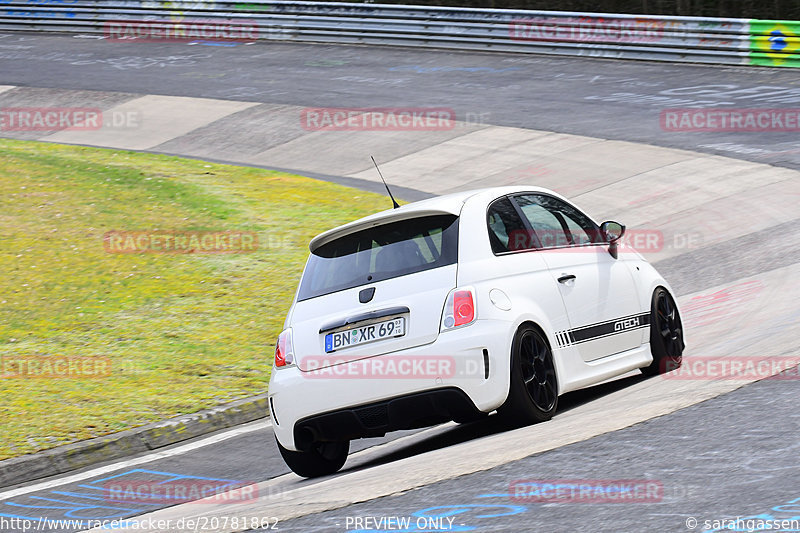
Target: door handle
<point x="566" y="277"/>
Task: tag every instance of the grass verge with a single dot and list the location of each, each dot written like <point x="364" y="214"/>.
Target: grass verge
<point x="182" y="332"/>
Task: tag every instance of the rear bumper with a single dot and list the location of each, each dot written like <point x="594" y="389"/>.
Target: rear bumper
<point x="416" y="410"/>
<point x="344" y="404"/>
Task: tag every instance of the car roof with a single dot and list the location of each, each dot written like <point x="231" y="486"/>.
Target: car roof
<point x="445" y="204"/>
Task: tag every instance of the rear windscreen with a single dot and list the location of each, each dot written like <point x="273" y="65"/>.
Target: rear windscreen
<point x="379" y="253"/>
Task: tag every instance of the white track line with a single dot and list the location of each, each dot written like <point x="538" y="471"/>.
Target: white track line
<point x="235" y="432"/>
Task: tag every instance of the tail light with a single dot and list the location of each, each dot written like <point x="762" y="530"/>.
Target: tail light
<point x="284" y="351"/>
<point x="459" y="308"/>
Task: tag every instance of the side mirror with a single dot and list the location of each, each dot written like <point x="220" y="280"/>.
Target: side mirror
<point x="612" y="232"/>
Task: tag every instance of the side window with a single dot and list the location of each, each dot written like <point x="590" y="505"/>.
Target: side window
<point x="506" y="229"/>
<point x="578" y="233"/>
<point x="555" y="222"/>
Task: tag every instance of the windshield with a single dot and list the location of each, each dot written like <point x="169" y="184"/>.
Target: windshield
<point x="380" y="253"/>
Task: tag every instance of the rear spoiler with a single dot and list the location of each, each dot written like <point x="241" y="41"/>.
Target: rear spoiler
<point x="379" y="219"/>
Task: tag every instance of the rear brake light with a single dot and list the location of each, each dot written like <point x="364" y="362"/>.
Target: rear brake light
<point x="284" y="351"/>
<point x="459" y="308"/>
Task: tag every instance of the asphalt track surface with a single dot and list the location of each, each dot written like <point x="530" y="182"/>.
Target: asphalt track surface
<point x="600" y="98"/>
<point x="730" y="457"/>
<point x="734" y="455"/>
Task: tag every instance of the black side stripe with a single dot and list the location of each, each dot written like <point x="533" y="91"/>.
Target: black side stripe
<point x="592" y="332"/>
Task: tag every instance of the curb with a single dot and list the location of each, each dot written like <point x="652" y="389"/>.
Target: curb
<point x="149" y="437"/>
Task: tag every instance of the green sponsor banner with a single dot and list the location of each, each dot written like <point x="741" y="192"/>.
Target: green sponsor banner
<point x="775" y="43"/>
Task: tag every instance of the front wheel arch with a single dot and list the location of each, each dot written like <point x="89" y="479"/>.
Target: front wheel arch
<point x="666" y="333"/>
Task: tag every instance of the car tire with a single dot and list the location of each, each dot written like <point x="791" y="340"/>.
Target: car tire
<point x="533" y="391"/>
<point x="322" y="459"/>
<point x="666" y="334"/>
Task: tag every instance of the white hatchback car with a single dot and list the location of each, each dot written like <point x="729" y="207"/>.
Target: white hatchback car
<point x="457" y="306"/>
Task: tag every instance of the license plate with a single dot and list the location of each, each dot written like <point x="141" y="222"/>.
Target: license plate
<point x="395" y="327"/>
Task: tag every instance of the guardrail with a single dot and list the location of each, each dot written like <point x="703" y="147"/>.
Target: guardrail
<point x="686" y="39"/>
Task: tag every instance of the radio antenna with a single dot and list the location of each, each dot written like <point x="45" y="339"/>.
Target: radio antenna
<point x="394" y="202"/>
